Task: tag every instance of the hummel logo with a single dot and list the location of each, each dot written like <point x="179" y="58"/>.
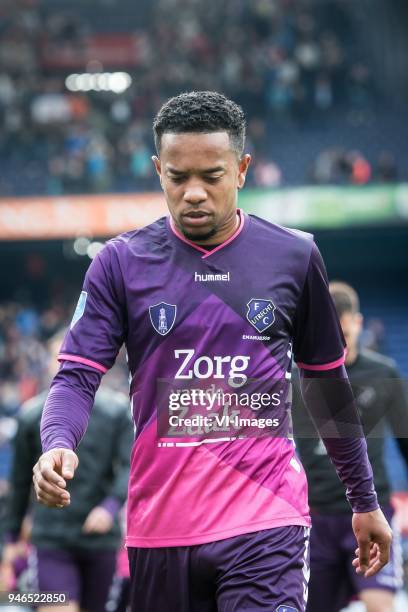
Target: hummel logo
<point x="205" y="278"/>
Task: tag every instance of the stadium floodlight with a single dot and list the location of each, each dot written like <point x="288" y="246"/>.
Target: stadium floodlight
<point x="104" y="81"/>
<point x="119" y="82"/>
<point x="116" y="82"/>
<point x="81" y="245"/>
<point x="94" y="248"/>
<point x="71" y="82"/>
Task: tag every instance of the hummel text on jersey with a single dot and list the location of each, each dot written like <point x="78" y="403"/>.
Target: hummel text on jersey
<point x="206" y="278"/>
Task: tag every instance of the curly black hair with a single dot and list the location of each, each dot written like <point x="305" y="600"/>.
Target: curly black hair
<point x="201" y="111"/>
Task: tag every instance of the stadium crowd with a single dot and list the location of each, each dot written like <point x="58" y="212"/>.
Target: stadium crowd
<point x="283" y="61"/>
<point x="24" y="331"/>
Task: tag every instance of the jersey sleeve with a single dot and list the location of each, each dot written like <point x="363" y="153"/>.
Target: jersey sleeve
<point x="318" y="342"/>
<point x="98" y="327"/>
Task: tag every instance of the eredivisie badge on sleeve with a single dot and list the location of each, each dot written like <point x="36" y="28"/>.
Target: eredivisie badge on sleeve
<point x="80" y="308"/>
<point x="163" y="317"/>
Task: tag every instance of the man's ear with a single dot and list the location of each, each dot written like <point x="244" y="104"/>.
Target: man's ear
<point x="157" y="164"/>
<point x="243" y="169"/>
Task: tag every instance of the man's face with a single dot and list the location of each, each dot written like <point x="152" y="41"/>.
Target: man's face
<point x="200" y="175"/>
<point x="351" y="324"/>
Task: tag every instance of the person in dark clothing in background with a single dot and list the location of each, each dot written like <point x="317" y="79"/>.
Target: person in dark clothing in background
<point x="382" y="401"/>
<point x="74" y="551"/>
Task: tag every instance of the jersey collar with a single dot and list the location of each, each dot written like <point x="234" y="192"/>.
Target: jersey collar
<point x="243" y="221"/>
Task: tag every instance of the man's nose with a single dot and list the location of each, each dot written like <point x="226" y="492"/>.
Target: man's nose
<point x="195" y="194"/>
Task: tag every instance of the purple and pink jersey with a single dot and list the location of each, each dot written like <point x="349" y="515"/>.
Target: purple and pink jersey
<point x="229" y="319"/>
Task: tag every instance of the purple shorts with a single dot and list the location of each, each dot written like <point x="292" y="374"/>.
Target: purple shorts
<point x="266" y="570"/>
<point x="84" y="574"/>
<point x="333" y="580"/>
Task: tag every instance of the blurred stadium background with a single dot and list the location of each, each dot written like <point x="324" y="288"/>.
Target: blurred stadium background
<point x="324" y="85"/>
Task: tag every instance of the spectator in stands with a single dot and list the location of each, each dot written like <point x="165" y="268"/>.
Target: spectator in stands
<point x="386" y="171"/>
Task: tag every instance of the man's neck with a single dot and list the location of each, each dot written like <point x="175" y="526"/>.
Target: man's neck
<point x="222" y="236"/>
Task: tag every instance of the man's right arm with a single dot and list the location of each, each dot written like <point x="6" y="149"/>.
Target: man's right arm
<point x="68" y="406"/>
<point x="89" y="349"/>
<point x="63" y="424"/>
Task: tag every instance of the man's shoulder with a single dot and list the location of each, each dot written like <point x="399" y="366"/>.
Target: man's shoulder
<point x="286" y="234"/>
<point x="287" y="244"/>
<point x="117" y="251"/>
<point x="141" y="236"/>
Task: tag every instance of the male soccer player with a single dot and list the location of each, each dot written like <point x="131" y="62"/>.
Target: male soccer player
<point x="381" y="398"/>
<point x="211" y="304"/>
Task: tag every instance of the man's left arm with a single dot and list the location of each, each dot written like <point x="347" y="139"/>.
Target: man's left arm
<point x="329" y="400"/>
<point x="319" y="351"/>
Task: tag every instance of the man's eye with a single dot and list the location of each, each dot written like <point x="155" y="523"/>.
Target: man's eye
<point x="212" y="179"/>
<point x="177" y="179"/>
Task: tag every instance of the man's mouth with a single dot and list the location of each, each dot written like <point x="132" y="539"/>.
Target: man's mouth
<point x="196" y="213"/>
<point x="195" y="217"/>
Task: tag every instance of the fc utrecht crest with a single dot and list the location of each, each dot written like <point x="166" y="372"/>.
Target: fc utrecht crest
<point x="163" y="317"/>
<point x="261" y="313"/>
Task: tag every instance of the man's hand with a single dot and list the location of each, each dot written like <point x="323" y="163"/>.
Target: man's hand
<point x="98" y="520"/>
<point x="374" y="537"/>
<point x="51" y="472"/>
